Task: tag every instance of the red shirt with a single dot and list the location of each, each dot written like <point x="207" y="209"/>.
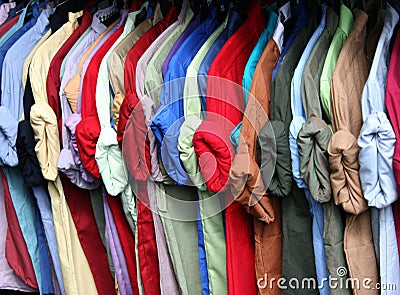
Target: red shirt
<point x="393" y="107"/>
<point x="147" y="247"/>
<point x="53" y="78"/>
<point x="225" y="105"/>
<point x="16" y="250"/>
<point x="6" y="26"/>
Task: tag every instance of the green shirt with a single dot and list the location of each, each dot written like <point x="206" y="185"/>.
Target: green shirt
<point x="346" y="21"/>
<point x="153" y="77"/>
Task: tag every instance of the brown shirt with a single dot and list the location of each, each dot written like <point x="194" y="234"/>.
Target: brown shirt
<point x="347" y="84"/>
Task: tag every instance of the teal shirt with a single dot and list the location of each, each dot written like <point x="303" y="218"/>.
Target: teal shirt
<point x="252" y="64"/>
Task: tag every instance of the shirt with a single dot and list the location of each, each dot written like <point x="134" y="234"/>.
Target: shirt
<point x="149" y="78"/>
<point x="7" y="45"/>
<point x="255" y="57"/>
<point x="139" y="166"/>
<point x="41" y="114"/>
<point x="377" y="143"/>
<point x="69" y="161"/>
<point x="53" y="78"/>
<point x="299" y="117"/>
<point x="12" y="92"/>
<point x="346" y="21"/>
<point x="301" y="16"/>
<point x="167" y="120"/>
<point x="244" y="176"/>
<point x="192" y="112"/>
<point x="185" y="34"/>
<point x="113" y="172"/>
<point x="224" y="111"/>
<point x="117" y="61"/>
<point x="4" y="9"/>
<point x="235" y="21"/>
<point x="347" y="121"/>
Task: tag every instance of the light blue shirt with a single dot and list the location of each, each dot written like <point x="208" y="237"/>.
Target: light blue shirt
<point x="299" y="118"/>
<point x="12" y="89"/>
<point x="376" y="141"/>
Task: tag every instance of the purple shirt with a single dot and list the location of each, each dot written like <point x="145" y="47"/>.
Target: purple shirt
<point x="69" y="161"/>
<point x="190" y="28"/>
<point x="4" y="10"/>
<point x="117" y="254"/>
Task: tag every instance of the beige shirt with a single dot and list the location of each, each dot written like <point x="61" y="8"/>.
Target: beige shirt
<point x="117" y="61"/>
<point x="77" y="275"/>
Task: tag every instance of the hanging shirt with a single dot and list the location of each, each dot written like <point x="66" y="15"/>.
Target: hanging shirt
<point x="69" y="161"/>
<point x="140" y="168"/>
<point x="168" y="119"/>
<point x="117" y="61"/>
<point x="53" y="78"/>
<point x="254" y="58"/>
<point x="178" y="43"/>
<point x="27" y="26"/>
<point x="377" y="141"/>
<point x="301" y="16"/>
<point x="108" y="154"/>
<point x="12" y="107"/>
<point x="211" y="239"/>
<point x="224" y="111"/>
<point x="149" y="78"/>
<point x="296" y="218"/>
<point x="42" y="115"/>
<point x="346" y="21"/>
<point x="312" y="141"/>
<point x="9" y="278"/>
<point x="299" y="118"/>
<point x="349" y="77"/>
<point x="235" y="21"/>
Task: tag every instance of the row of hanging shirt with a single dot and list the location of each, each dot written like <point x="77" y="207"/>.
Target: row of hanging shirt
<point x="110" y="118"/>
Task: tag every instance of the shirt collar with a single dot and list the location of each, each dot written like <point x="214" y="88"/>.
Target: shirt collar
<point x="97" y="25"/>
<point x="131" y="20"/>
<point x="391" y="17"/>
<point x="360" y="21"/>
<point x="332" y="20"/>
<point x="43" y="20"/>
<point x="346" y="19"/>
<point x="186" y="13"/>
<point x="284" y="14"/>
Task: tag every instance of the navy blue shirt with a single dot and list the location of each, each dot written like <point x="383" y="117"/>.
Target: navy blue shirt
<point x="301" y="14"/>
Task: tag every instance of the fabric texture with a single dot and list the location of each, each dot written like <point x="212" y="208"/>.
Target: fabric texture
<point x="343" y="152"/>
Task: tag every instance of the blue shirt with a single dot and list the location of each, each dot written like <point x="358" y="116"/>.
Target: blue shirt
<point x="12" y="90"/>
<point x="301" y="20"/>
<point x="299" y="117"/>
<point x="252" y="64"/>
<point x="169" y="118"/>
<point x="7" y="44"/>
<point x="234" y="22"/>
<point x="377" y="143"/>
